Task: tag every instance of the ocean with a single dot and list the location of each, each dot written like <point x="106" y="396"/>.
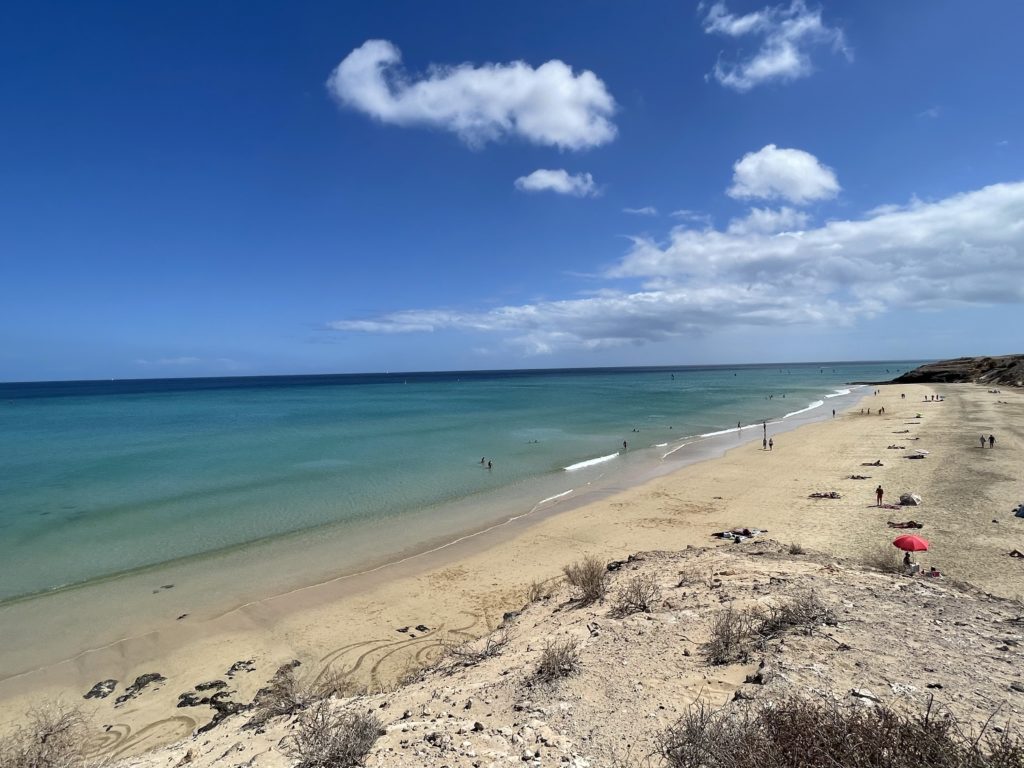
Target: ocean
<point x="104" y="480"/>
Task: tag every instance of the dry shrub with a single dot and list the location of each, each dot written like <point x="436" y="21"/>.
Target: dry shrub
<point x="796" y="549"/>
<point x="803" y="612"/>
<point x="289" y="692"/>
<point x="884" y="558"/>
<point x="472" y="652"/>
<point x="537" y="591"/>
<point x="688" y="576"/>
<point x="325" y="738"/>
<point x="731" y="637"/>
<point x="795" y="732"/>
<point x="558" y="660"/>
<point x="590" y="577"/>
<point x="54" y="736"/>
<point x="638" y="595"/>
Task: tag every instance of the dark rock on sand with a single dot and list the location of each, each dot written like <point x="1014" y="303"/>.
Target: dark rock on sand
<point x="212" y="685"/>
<point x="191" y="699"/>
<point x="1007" y="370"/>
<point x="101" y="690"/>
<point x="241" y="666"/>
<point x="135" y="688"/>
<point x="223" y="707"/>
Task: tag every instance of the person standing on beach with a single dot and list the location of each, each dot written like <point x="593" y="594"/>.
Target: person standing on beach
<point x="878" y="496"/>
<point x="771" y="444"/>
<point x="489" y="465"/>
<point x="991" y="441"/>
<point x="982" y="441"/>
<point x="625" y="445"/>
<point x="764" y="444"/>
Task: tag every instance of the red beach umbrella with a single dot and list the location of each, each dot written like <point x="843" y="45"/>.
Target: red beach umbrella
<point x="910" y="543"/>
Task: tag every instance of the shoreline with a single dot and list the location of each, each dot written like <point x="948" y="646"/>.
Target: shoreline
<point x="514" y="516"/>
<point x="464" y="592"/>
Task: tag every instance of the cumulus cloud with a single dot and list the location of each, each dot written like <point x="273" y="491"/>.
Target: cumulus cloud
<point x="786" y="37"/>
<point x="791" y="174"/>
<point x="559" y="181"/>
<point x="550" y="105"/>
<point x="964" y="250"/>
<point x="647" y="210"/>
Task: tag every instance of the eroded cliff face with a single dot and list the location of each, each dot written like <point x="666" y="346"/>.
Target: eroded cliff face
<point x="1004" y="371"/>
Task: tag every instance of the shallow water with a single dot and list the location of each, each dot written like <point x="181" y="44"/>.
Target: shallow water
<point x="106" y="478"/>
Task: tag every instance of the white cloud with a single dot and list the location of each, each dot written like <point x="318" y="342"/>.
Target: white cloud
<point x="559" y="181"/>
<point x="768" y="221"/>
<point x="697" y="217"/>
<point x="647" y="210"/>
<point x="964" y="250"/>
<point x="931" y="113"/>
<point x="549" y="105"/>
<point x="791" y="174"/>
<point x="787" y="36"/>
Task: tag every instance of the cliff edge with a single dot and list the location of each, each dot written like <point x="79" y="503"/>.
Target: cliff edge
<point x="1005" y="371"/>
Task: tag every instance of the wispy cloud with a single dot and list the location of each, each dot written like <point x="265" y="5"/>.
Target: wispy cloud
<point x="931" y="113"/>
<point x="965" y="249"/>
<point x="790" y="174"/>
<point x="647" y="210"/>
<point x="694" y="217"/>
<point x="550" y="105"/>
<point x="787" y="36"/>
<point x="559" y="181"/>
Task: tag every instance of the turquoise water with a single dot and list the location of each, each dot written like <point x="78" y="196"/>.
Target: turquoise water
<point x="104" y="478"/>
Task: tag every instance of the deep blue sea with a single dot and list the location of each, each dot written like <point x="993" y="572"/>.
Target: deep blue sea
<point x="100" y="479"/>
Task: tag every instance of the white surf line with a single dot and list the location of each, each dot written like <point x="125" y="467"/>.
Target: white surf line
<point x="681" y="445"/>
<point x="552" y="498"/>
<point x="839" y="393"/>
<point x="811" y="407"/>
<point x="590" y="462"/>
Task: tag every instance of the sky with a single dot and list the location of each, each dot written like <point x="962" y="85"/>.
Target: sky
<point x="208" y="189"/>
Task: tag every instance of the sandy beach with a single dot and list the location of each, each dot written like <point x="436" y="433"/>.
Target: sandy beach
<point x="353" y="625"/>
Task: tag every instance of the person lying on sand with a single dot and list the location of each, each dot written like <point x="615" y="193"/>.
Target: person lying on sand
<point x="895" y="447"/>
<point x="825" y="495"/>
<point x="901" y="431"/>
<point x="907" y="524"/>
<point x="860" y="477"/>
<point x="875" y="463"/>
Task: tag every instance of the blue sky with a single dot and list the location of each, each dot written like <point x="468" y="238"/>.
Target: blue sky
<point x="217" y="188"/>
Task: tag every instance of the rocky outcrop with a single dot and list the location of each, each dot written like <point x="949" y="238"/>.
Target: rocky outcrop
<point x="1004" y="371"/>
